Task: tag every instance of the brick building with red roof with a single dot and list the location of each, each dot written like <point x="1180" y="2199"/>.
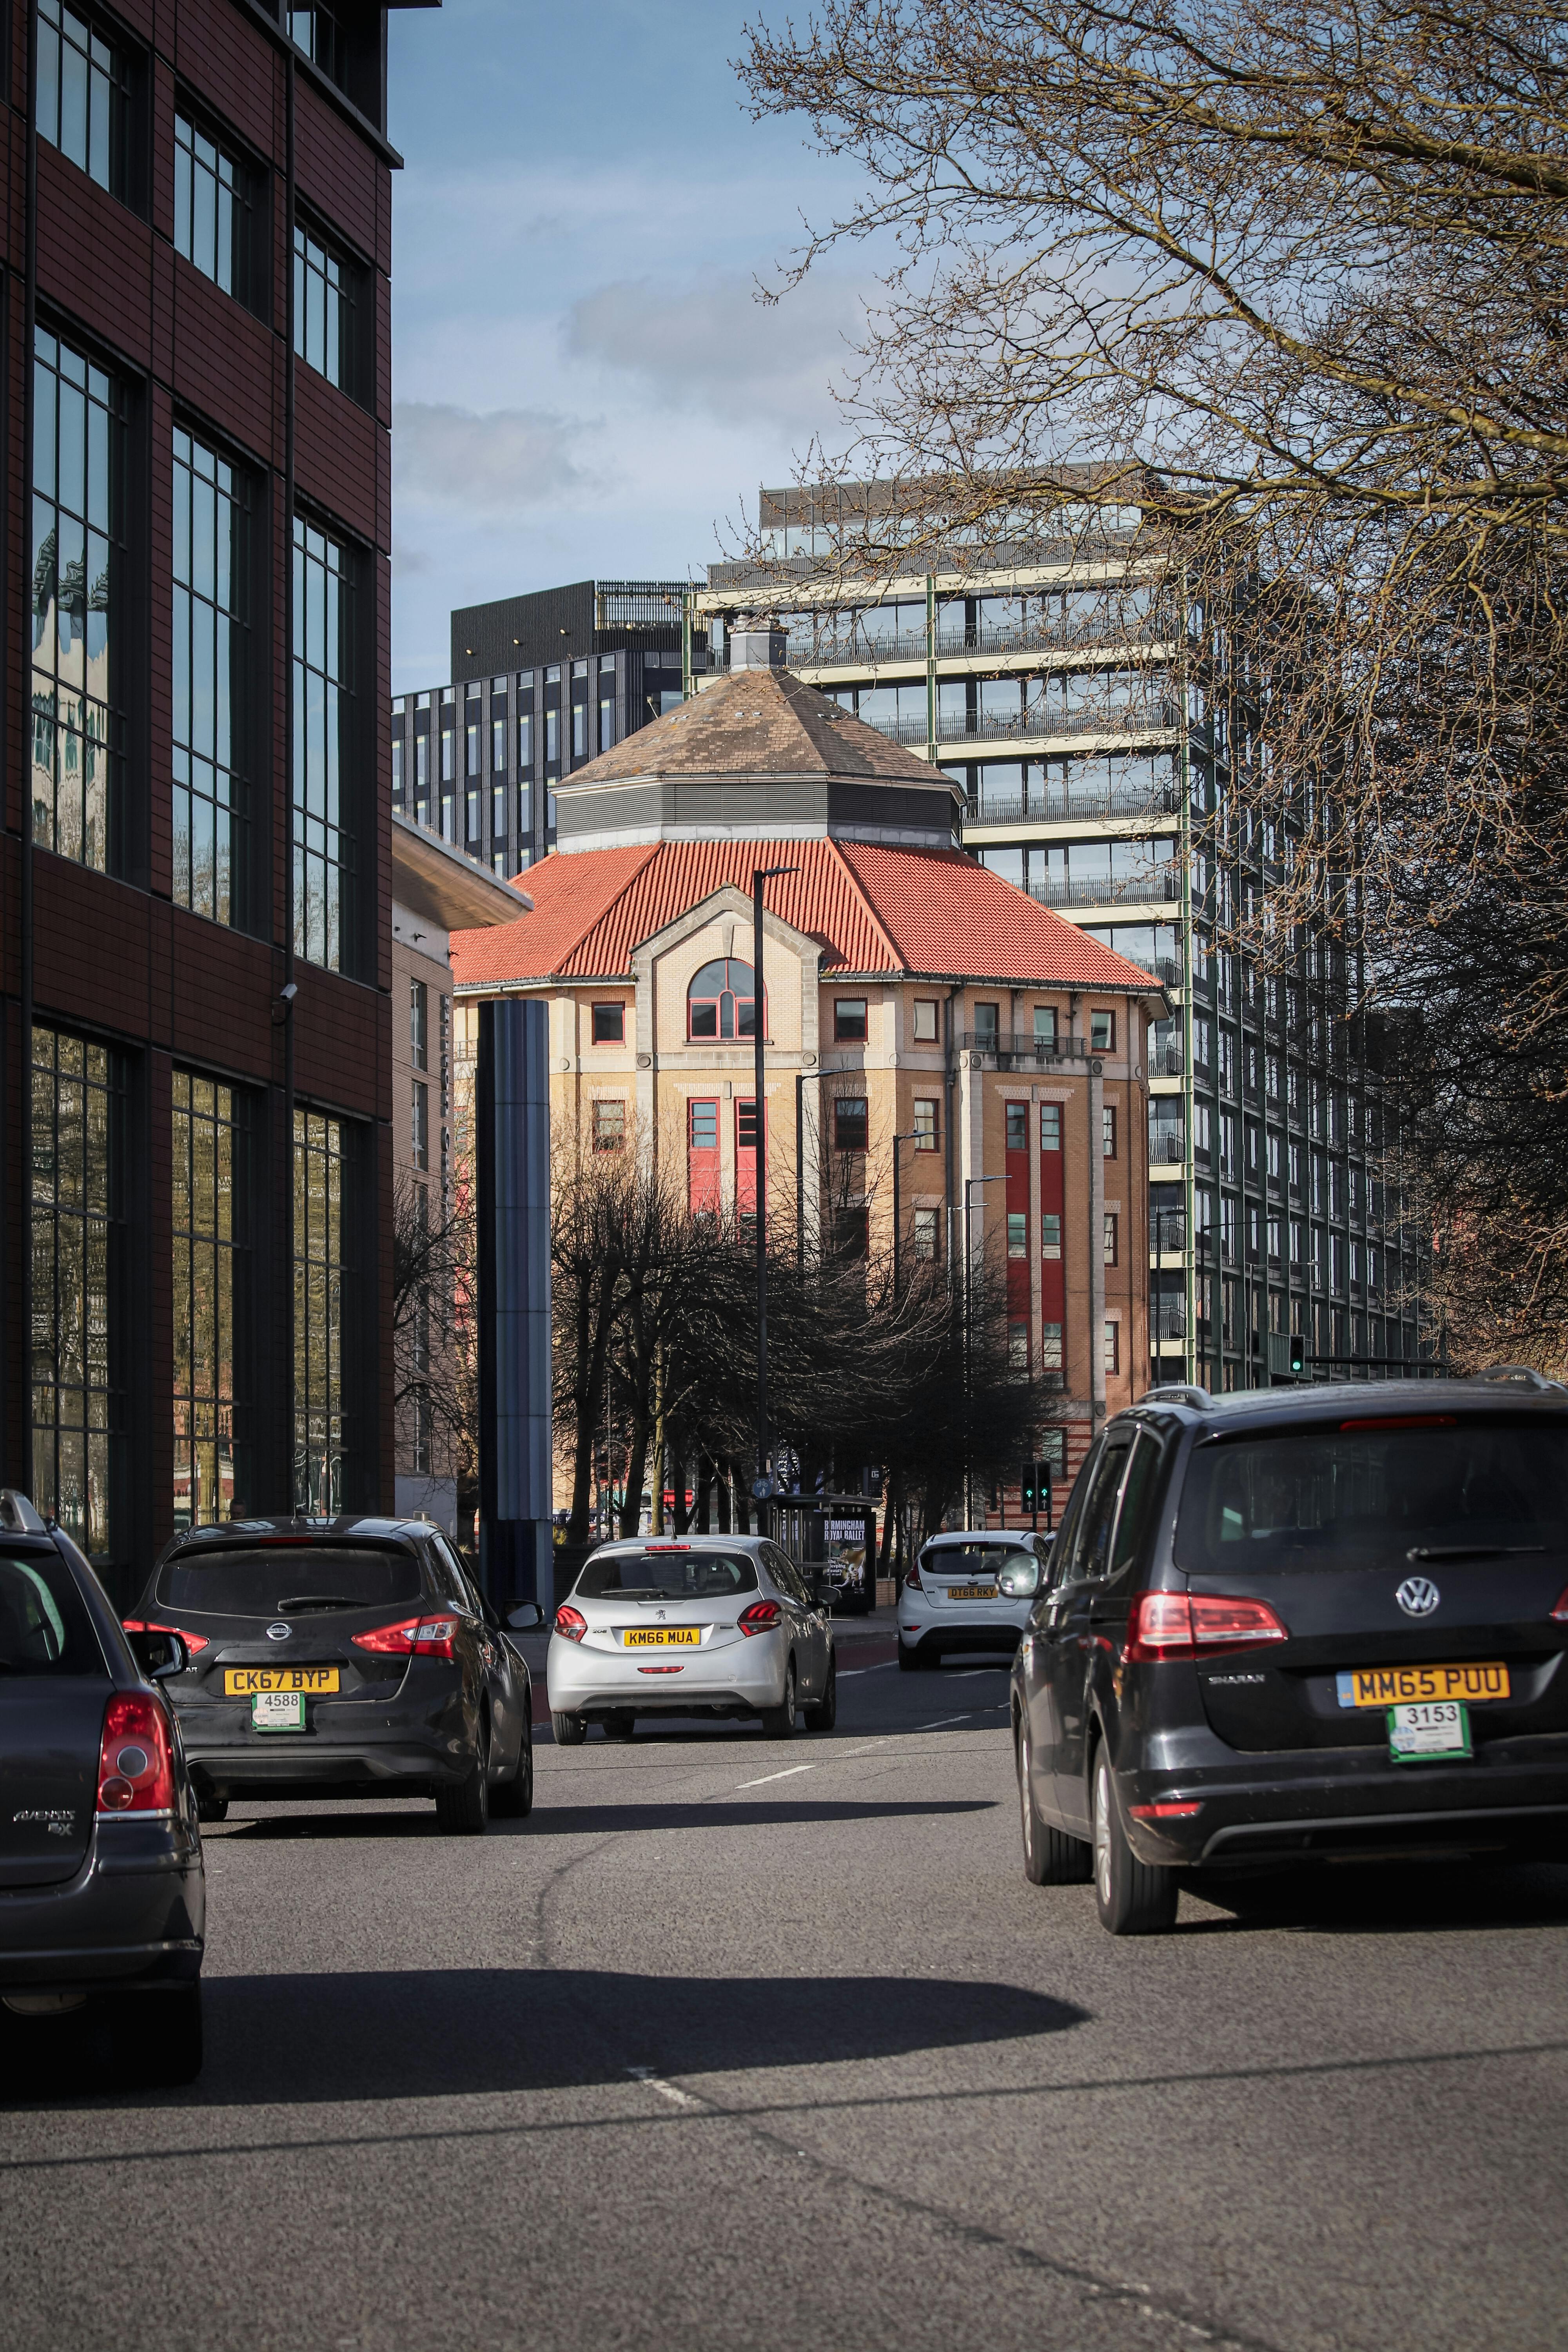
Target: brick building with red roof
<point x="908" y="993"/>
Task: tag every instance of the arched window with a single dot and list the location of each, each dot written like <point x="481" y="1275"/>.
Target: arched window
<point x="722" y="1001"/>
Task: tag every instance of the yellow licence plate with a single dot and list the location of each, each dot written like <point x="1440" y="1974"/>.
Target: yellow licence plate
<point x="244" y="1682"/>
<point x="662" y="1637"/>
<point x="970" y="1591"/>
<point x="1402" y="1685"/>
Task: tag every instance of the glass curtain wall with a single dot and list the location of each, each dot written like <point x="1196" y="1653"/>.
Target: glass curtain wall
<point x="211" y="1281"/>
<point x="78" y="1246"/>
<point x="321" y="1433"/>
<point x="211" y="796"/>
<point x="324" y="843"/>
<point x="76" y="727"/>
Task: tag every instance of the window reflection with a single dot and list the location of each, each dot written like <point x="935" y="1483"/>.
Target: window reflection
<point x="77" y="1399"/>
<point x="211" y="1239"/>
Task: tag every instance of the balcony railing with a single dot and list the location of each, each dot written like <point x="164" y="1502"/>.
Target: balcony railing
<point x="1167" y="1144"/>
<point x="1015" y="1052"/>
<point x="1155" y="887"/>
<point x="1098" y="629"/>
<point x="1168" y="1319"/>
<point x="1076" y="806"/>
<point x="1167" y="1060"/>
<point x="1117" y="719"/>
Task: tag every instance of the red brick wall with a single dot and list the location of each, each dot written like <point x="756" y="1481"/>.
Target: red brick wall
<point x="110" y="955"/>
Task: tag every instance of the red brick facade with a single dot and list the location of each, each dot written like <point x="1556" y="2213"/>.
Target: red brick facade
<point x="112" y="957"/>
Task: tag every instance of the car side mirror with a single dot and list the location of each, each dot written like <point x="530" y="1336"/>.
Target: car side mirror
<point x="525" y="1616"/>
<point x="1019" y="1579"/>
<point x="159" y="1653"/>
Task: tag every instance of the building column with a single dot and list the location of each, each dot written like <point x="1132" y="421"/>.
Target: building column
<point x="1097" y="1246"/>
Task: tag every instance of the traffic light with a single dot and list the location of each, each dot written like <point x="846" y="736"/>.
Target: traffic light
<point x="1035" y="1486"/>
<point x="1298" y="1356"/>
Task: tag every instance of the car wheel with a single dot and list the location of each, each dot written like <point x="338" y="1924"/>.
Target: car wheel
<point x="212" y="1808"/>
<point x="619" y="1727"/>
<point x="464" y="1808"/>
<point x="512" y="1801"/>
<point x="825" y="1714"/>
<point x="158" y="2036"/>
<point x="1051" y="1858"/>
<point x="909" y="1660"/>
<point x="778" y="1722"/>
<point x="1132" y="1898"/>
<point x="571" y="1730"/>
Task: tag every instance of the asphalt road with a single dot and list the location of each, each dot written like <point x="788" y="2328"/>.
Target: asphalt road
<point x="744" y="2043"/>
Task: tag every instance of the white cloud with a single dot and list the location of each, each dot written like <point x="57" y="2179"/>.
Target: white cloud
<point x="715" y="347"/>
<point x="500" y="462"/>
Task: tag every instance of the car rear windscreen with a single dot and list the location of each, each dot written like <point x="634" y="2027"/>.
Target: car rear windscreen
<point x="288" y="1581"/>
<point x="45" y="1627"/>
<point x="668" y="1576"/>
<point x="1338" y="1497"/>
<point x="978" y="1563"/>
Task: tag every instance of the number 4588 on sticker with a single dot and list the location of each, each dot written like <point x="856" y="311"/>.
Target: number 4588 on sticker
<point x="277" y="1711"/>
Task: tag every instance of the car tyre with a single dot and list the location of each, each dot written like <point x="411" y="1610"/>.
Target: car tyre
<point x="211" y="1809"/>
<point x="908" y="1659"/>
<point x="619" y="1727"/>
<point x="1051" y="1858"/>
<point x="824" y="1715"/>
<point x="571" y="1730"/>
<point x="463" y="1810"/>
<point x="778" y="1722"/>
<point x="512" y="1801"/>
<point x="1132" y="1898"/>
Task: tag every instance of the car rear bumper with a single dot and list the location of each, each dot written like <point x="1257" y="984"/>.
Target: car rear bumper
<point x="133" y="1916"/>
<point x="349" y="1748"/>
<point x="737" y="1678"/>
<point x="1306" y="1814"/>
<point x="952" y="1629"/>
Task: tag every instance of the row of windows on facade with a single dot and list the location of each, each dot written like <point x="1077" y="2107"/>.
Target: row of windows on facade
<point x="84" y="595"/>
<point x="1338" y="1188"/>
<point x="81" y="1251"/>
<point x="89" y="106"/>
<point x="962" y="623"/>
<point x="851" y="1128"/>
<point x="1049" y="702"/>
<point x="720" y="1003"/>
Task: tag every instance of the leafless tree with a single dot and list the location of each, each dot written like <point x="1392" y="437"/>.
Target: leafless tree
<point x="434" y="1366"/>
<point x="1296" y="276"/>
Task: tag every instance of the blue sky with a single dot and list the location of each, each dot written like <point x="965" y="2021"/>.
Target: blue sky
<point x="584" y="381"/>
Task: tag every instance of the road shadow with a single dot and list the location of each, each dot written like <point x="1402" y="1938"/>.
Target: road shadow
<point x="1388" y="1898"/>
<point x="580" y="1820"/>
<point x="442" y="2034"/>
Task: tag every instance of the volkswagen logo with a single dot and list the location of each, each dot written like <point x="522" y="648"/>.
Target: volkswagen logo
<point x="1418" y="1596"/>
<point x="280" y="1633"/>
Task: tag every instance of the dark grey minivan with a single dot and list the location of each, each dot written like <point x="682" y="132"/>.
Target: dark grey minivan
<point x="1282" y="1626"/>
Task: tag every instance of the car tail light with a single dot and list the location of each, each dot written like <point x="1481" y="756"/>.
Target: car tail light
<point x="136" y="1761"/>
<point x="912" y="1577"/>
<point x="760" y="1618"/>
<point x="570" y="1622"/>
<point x="1560" y="1611"/>
<point x="193" y="1642"/>
<point x="424" y="1637"/>
<point x="1189" y="1625"/>
<point x="1168" y="1812"/>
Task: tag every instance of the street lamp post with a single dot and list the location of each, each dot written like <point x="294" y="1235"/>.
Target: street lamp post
<point x="969" y="1184"/>
<point x="761" y="874"/>
<point x="912" y="1136"/>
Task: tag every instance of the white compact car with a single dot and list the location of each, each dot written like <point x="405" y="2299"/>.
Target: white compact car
<point x="721" y="1626"/>
<point x="951" y="1599"/>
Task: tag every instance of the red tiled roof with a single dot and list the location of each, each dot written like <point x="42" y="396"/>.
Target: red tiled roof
<point x="877" y="909"/>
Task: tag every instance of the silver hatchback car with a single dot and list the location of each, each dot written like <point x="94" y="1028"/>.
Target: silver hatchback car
<point x="719" y="1625"/>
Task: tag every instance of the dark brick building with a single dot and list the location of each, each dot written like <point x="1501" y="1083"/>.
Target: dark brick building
<point x="195" y="877"/>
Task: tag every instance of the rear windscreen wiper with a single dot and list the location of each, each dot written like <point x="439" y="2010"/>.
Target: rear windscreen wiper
<point x="317" y="1600"/>
<point x="1470" y="1551"/>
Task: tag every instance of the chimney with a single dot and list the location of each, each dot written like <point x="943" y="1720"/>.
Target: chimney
<point x="757" y="640"/>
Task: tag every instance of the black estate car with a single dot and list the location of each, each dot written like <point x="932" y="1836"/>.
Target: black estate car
<point x="1288" y="1625"/>
<point x="343" y="1657"/>
<point x="102" y="1897"/>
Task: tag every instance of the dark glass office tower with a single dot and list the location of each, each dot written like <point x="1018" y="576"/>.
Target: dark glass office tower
<point x="540" y="685"/>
